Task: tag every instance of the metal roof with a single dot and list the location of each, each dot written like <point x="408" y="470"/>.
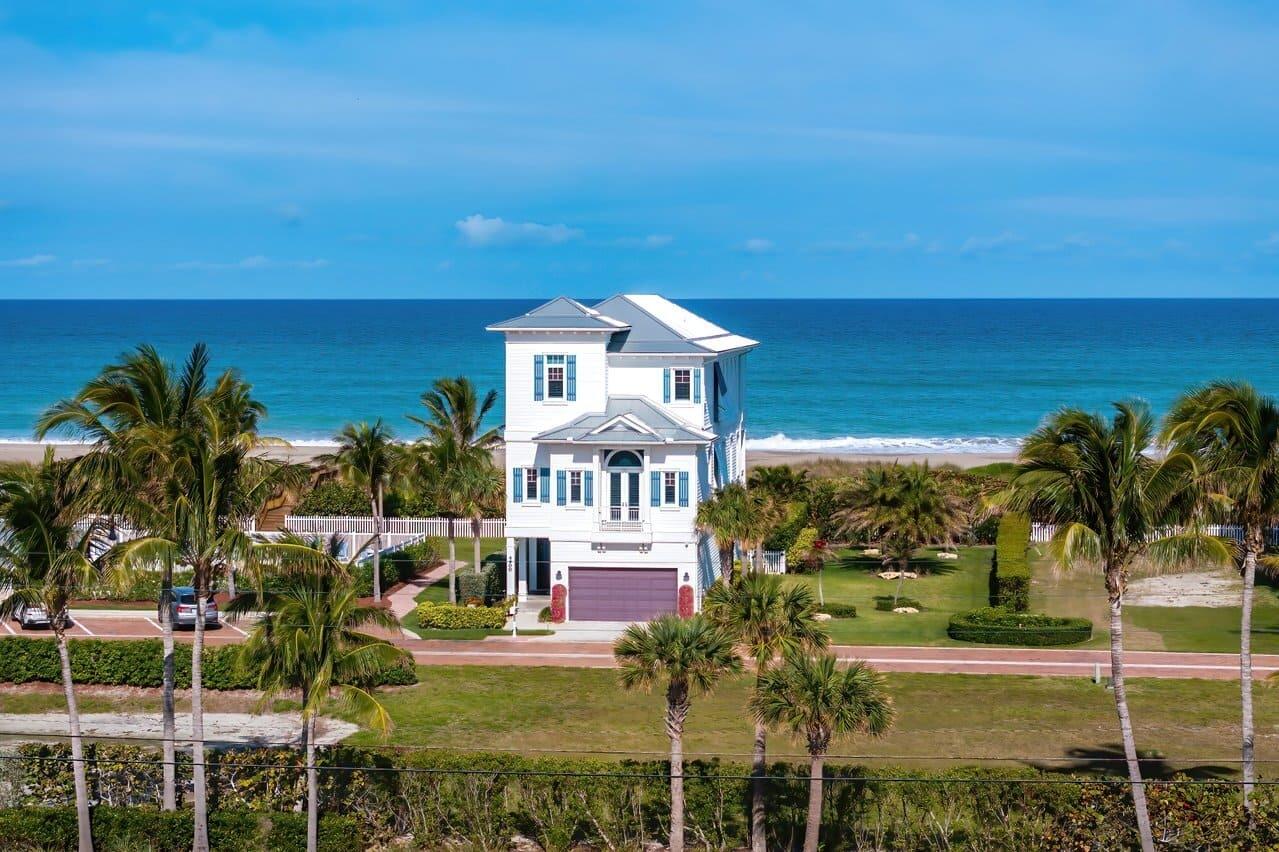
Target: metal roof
<point x="561" y="313"/>
<point x="626" y="420"/>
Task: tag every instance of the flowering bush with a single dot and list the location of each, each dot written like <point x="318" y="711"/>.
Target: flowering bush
<point x="559" y="595"/>
<point x="685" y="601"/>
<point x="441" y="616"/>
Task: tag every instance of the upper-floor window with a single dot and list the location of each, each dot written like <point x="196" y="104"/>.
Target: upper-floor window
<point x="669" y="497"/>
<point x="683" y="385"/>
<point x="575" y="486"/>
<point x="530" y="484"/>
<point x="555" y="378"/>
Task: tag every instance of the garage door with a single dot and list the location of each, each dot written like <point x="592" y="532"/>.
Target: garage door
<point x="620" y="594"/>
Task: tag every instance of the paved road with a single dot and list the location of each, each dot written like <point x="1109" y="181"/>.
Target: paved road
<point x="543" y="651"/>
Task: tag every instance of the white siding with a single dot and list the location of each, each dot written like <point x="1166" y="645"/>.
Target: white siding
<point x="642" y="375"/>
<point x="526" y="417"/>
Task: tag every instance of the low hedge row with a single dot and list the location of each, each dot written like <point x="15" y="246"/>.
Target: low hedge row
<point x="442" y="616"/>
<point x="1010" y="563"/>
<point x="887" y="603"/>
<point x="140" y="662"/>
<point x="838" y="610"/>
<point x="995" y="625"/>
<point x="158" y="831"/>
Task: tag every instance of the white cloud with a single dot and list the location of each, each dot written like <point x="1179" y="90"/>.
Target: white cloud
<point x="865" y="242"/>
<point x="32" y="260"/>
<point x="481" y="231"/>
<point x="758" y="245"/>
<point x="290" y="214"/>
<point x="90" y="262"/>
<point x="1270" y="245"/>
<point x="652" y="241"/>
<point x="985" y="245"/>
<point x="256" y="261"/>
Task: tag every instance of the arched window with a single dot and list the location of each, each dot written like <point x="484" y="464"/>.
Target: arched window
<point x="625" y="459"/>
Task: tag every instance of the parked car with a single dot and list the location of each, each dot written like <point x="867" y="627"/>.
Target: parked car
<point x="182" y="608"/>
<point x="31" y="615"/>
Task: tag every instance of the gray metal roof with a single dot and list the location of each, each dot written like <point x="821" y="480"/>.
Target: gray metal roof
<point x="626" y="420"/>
<point x="560" y="313"/>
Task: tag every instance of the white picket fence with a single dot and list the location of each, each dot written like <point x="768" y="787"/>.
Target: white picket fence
<point x="1040" y="533"/>
<point x="422" y="527"/>
<point x="774" y="561"/>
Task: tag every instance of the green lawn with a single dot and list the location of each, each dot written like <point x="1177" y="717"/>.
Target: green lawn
<point x="1192" y="724"/>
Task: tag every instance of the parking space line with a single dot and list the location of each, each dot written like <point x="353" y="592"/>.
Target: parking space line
<point x="12" y="632"/>
<point x="233" y="627"/>
<point x="80" y="624"/>
<point x="154" y="624"/>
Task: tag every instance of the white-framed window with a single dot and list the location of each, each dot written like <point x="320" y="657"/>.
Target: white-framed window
<point x="670" y="495"/>
<point x="556" y="380"/>
<point x="683" y="384"/>
<point x="575" y="487"/>
<point x="530" y="484"/>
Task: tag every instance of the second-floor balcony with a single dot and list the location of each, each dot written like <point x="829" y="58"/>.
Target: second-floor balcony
<point x="623" y="524"/>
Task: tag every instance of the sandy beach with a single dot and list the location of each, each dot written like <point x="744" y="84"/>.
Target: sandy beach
<point x="33" y="451"/>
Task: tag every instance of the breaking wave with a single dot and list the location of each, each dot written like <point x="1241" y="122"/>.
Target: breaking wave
<point x="871" y="446"/>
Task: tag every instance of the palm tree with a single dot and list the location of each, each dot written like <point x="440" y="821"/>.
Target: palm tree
<point x="45" y="561"/>
<point x="770" y="620"/>
<point x="689" y="655"/>
<point x="456" y="412"/>
<point x="480" y="488"/>
<point x="781" y="481"/>
<point x="309" y="640"/>
<point x="1112" y="503"/>
<point x="368" y="458"/>
<point x="764" y="511"/>
<point x="724" y="516"/>
<point x="818" y="701"/>
<point x="1233" y="434"/>
<point x="132" y="413"/>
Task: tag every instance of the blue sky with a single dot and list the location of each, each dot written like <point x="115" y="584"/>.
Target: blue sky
<point x="385" y="149"/>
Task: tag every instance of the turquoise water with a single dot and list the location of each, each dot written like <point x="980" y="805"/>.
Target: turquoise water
<point x="852" y="375"/>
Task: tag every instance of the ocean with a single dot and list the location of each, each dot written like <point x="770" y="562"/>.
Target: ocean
<point x="833" y="375"/>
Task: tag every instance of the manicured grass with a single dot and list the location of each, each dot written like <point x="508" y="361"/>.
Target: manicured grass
<point x="941" y="718"/>
<point x="944" y="587"/>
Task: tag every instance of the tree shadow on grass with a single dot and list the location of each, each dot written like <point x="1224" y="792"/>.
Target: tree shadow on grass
<point x="1108" y="759"/>
<point x="926" y="567"/>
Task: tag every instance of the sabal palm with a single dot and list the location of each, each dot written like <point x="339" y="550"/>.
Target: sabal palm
<point x="818" y="701"/>
<point x="1112" y="503"/>
<point x="479" y="489"/>
<point x="726" y="517"/>
<point x="309" y="639"/>
<point x="45" y="561"/>
<point x="368" y="457"/>
<point x="764" y="512"/>
<point x="455" y="412"/>
<point x="464" y="484"/>
<point x="781" y="481"/>
<point x="1233" y="433"/>
<point x="688" y="656"/>
<point x="769" y="619"/>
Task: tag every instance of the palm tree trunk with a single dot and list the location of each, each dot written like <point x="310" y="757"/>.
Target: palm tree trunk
<point x="312" y="790"/>
<point x="758" y="567"/>
<point x="814" y="826"/>
<point x="452" y="564"/>
<point x="901" y="580"/>
<point x="169" y="796"/>
<point x="1125" y="720"/>
<point x="376" y="502"/>
<point x="475" y="530"/>
<point x="726" y="562"/>
<point x="759" y="765"/>
<point x="1252" y="547"/>
<point x="78" y="770"/>
<point x="230" y="580"/>
<point x="821" y="594"/>
<point x="676" y="713"/>
<point x="200" y="807"/>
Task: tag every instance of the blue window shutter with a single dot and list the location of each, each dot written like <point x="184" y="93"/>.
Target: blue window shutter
<point x="517" y="484"/>
<point x="561" y="488"/>
<point x="572" y="377"/>
<point x="666" y="385"/>
<point x="683" y="488"/>
<point x="697" y="384"/>
<point x="537" y="378"/>
<point x="655" y="488"/>
<point x="588" y="487"/>
<point x="544" y="484"/>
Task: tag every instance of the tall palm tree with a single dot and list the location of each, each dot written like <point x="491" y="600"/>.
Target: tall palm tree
<point x="781" y="481"/>
<point x="764" y="512"/>
<point x="455" y="411"/>
<point x="904" y="508"/>
<point x="771" y="620"/>
<point x="309" y="640"/>
<point x="725" y="516"/>
<point x="368" y="458"/>
<point x="45" y="561"/>
<point x="689" y="656"/>
<point x="1112" y="503"/>
<point x="818" y="701"/>
<point x="1233" y="434"/>
<point x="132" y="413"/>
<point x="480" y="489"/>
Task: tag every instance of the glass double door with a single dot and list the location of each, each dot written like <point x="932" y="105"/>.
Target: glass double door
<point x="623" y="496"/>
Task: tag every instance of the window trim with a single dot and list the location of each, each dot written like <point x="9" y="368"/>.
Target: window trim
<point x="580" y="476"/>
<point x="675" y="384"/>
<point x="531" y="476"/>
<point x="549" y="363"/>
<point x="670" y="486"/>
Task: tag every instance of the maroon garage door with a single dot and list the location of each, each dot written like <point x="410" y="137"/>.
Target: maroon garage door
<point x="620" y="594"/>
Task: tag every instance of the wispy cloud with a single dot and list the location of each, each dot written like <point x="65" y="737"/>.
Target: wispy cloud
<point x="987" y="245"/>
<point x="482" y="231"/>
<point x="865" y="242"/>
<point x="1269" y="245"/>
<point x="1155" y="210"/>
<point x="652" y="241"/>
<point x="290" y="214"/>
<point x="30" y="260"/>
<point x="90" y="262"/>
<point x="758" y="245"/>
<point x="256" y="261"/>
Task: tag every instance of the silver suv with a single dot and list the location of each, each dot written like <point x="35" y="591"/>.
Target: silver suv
<point x="31" y="615"/>
<point x="183" y="611"/>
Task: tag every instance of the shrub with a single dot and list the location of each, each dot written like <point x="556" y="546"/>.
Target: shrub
<point x="885" y="603"/>
<point x="784" y="535"/>
<point x="333" y="498"/>
<point x="544" y="615"/>
<point x="1002" y="626"/>
<point x="839" y="610"/>
<point x="495" y="577"/>
<point x="798" y="553"/>
<point x="441" y="616"/>
<point x="362" y="576"/>
<point x="1010" y="564"/>
<point x="412" y="560"/>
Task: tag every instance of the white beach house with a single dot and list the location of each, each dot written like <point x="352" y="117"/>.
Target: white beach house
<point x="620" y="418"/>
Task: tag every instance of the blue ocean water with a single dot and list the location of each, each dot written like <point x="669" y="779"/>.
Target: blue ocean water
<point x="830" y="374"/>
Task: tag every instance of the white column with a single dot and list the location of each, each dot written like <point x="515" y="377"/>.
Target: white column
<point x="524" y="568"/>
<point x="510" y="565"/>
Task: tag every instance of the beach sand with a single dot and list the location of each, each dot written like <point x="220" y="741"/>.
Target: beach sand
<point x="33" y="452"/>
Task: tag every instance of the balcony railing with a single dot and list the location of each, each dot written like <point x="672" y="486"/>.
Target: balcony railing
<point x="623" y="514"/>
<point x="634" y="526"/>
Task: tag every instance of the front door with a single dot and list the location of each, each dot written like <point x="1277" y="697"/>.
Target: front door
<point x="623" y="496"/>
<point x="541" y="567"/>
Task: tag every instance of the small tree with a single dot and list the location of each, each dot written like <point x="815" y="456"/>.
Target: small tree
<point x="726" y="517"/>
<point x="819" y="702"/>
<point x="689" y="655"/>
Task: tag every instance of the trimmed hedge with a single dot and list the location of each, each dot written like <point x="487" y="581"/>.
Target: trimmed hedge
<point x="839" y="610"/>
<point x="140" y="662"/>
<point x="1010" y="564"/>
<point x="442" y="616"/>
<point x="797" y="554"/>
<point x="885" y="603"/>
<point x="1001" y="626"/>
